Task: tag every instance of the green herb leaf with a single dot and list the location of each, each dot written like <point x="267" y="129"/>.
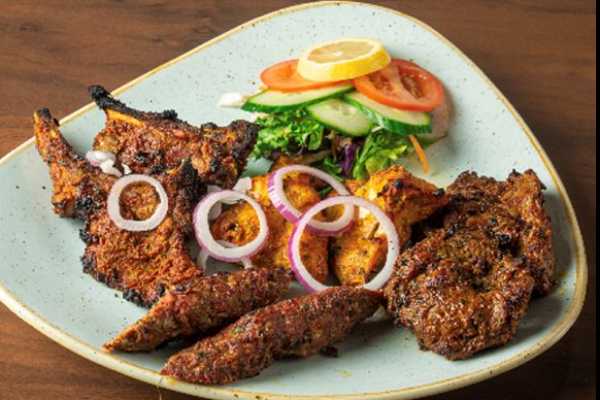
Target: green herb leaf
<point x="380" y="150"/>
<point x="290" y="132"/>
<point x="330" y="166"/>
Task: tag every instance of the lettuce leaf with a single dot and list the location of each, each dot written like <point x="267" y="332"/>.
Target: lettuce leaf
<point x="330" y="166"/>
<point x="296" y="132"/>
<point x="290" y="132"/>
<point x="381" y="149"/>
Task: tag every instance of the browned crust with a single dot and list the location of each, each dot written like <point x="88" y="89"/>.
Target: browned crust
<point x="141" y="264"/>
<point x="105" y="101"/>
<point x="521" y="195"/>
<point x="77" y="186"/>
<point x="459" y="291"/>
<point x="297" y="327"/>
<point x="466" y="286"/>
<point x="154" y="141"/>
<point x="202" y="304"/>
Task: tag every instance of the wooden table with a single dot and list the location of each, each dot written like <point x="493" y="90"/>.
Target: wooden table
<point x="542" y="55"/>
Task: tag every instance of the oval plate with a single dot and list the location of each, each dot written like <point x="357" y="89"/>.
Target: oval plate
<point x="41" y="279"/>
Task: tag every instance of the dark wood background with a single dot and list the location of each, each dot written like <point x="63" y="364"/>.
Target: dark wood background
<point x="542" y="55"/>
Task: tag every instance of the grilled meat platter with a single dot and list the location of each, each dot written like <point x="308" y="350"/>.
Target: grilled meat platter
<point x="336" y="213"/>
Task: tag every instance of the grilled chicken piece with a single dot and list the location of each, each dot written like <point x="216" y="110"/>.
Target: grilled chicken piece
<point x="361" y="251"/>
<point x="466" y="286"/>
<point x="150" y="142"/>
<point x="239" y="225"/>
<point x="298" y="327"/>
<point x="199" y="305"/>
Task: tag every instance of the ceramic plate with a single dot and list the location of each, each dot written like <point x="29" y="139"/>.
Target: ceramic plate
<point x="40" y="275"/>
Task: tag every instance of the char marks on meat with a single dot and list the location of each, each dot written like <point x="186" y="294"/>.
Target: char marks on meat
<point x="466" y="286"/>
<point x="202" y="304"/>
<point x="298" y="327"/>
<point x="360" y="252"/>
<point x="521" y="197"/>
<point x="151" y="142"/>
<point x="141" y="264"/>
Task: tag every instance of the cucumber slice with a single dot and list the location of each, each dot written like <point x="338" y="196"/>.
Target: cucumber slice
<point x="341" y="116"/>
<point x="272" y="101"/>
<point x="393" y="119"/>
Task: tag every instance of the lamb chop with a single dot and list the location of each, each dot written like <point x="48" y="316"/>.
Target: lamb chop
<point x="141" y="264"/>
<point x="149" y="142"/>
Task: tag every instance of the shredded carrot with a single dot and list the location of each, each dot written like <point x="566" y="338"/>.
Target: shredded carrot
<point x="420" y="153"/>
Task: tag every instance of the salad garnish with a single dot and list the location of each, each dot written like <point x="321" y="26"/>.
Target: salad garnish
<point x="350" y="99"/>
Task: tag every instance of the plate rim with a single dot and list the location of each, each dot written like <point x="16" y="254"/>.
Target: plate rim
<point x="146" y="375"/>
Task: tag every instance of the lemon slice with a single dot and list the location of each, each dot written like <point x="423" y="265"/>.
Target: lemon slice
<point x="342" y="59"/>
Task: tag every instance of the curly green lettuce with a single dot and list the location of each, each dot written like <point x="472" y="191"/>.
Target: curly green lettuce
<point x="333" y="168"/>
<point x="380" y="150"/>
<point x="296" y="132"/>
<point x="290" y="132"/>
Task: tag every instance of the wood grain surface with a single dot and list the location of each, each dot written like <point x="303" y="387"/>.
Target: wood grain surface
<point x="541" y="54"/>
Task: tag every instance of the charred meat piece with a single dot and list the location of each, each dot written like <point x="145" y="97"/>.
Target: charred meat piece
<point x="183" y="158"/>
<point x="202" y="304"/>
<point x="460" y="291"/>
<point x="77" y="186"/>
<point x="150" y="142"/>
<point x="360" y="251"/>
<point x="466" y="286"/>
<point x="141" y="264"/>
<point x="298" y="327"/>
<point x="239" y="225"/>
<point x="520" y="196"/>
<point x="524" y="196"/>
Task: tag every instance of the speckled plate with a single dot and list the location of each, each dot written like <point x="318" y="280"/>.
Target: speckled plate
<point x="40" y="273"/>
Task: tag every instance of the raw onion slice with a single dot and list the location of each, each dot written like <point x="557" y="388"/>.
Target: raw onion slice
<point x="203" y="257"/>
<point x="242" y="185"/>
<point x="207" y="241"/>
<point x="284" y="206"/>
<point x="114" y="208"/>
<point x="386" y="224"/>
<point x="217" y="208"/>
<point x="108" y="167"/>
<point x="96" y="157"/>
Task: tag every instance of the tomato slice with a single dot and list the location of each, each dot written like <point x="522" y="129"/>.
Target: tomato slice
<point x="284" y="76"/>
<point x="402" y="84"/>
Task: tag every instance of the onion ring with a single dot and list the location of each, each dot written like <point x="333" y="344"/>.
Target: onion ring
<point x="203" y="257"/>
<point x="288" y="211"/>
<point x="242" y="185"/>
<point x="207" y="241"/>
<point x="386" y="224"/>
<point x="114" y="208"/>
<point x="217" y="209"/>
